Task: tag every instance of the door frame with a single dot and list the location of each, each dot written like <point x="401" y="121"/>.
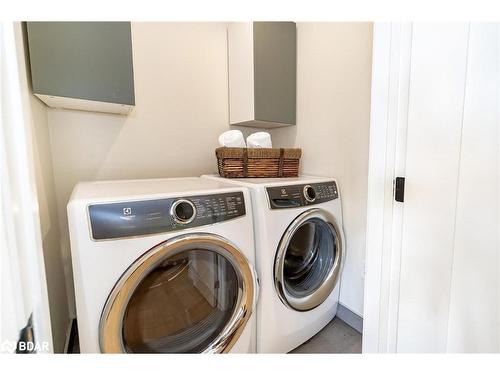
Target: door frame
<point x="23" y="267"/>
<point x="388" y="125"/>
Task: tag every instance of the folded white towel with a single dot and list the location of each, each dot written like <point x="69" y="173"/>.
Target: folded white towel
<point x="232" y="138"/>
<point x="259" y="140"/>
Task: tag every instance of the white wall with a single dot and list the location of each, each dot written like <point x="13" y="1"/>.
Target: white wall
<point x="333" y="118"/>
<point x="181" y="106"/>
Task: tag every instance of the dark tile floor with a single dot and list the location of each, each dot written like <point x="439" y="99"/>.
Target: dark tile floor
<point x="336" y="337"/>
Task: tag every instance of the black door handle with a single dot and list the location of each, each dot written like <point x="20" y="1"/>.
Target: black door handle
<point x="399" y="189"/>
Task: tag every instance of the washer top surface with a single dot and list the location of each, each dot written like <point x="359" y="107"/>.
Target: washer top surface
<point x="126" y="188"/>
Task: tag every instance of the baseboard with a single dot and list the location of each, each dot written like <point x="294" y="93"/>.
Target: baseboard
<point x="350" y="318"/>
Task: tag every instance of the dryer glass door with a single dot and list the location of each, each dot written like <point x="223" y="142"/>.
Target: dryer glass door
<point x="308" y="260"/>
<point x="192" y="294"/>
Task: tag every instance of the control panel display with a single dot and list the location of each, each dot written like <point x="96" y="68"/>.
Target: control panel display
<point x="140" y="218"/>
<point x="301" y="195"/>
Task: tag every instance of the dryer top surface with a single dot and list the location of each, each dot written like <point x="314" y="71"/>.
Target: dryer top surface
<point x="260" y="182"/>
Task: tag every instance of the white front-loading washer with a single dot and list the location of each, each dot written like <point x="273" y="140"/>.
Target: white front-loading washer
<point x="300" y="250"/>
<point x="163" y="266"/>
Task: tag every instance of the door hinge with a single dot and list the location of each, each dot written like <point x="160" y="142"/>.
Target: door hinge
<point x="399" y="189"/>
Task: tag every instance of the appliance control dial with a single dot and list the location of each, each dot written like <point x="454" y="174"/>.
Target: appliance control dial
<point x="309" y="193"/>
<point x="183" y="211"/>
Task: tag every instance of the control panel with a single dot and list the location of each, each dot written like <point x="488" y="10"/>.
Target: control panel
<point x="301" y="195"/>
<point x="140" y="218"/>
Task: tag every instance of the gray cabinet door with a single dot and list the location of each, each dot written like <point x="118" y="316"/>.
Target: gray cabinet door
<point x="275" y="67"/>
<point x="82" y="60"/>
<point x="262" y="61"/>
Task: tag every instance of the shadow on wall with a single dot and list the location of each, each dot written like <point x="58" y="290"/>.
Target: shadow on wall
<point x="49" y="223"/>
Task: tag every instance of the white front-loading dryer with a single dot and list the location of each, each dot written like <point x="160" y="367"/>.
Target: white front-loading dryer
<point x="163" y="266"/>
<point x="300" y="251"/>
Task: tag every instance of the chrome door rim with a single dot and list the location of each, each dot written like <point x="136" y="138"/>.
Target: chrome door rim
<point x="329" y="283"/>
<point x="111" y="322"/>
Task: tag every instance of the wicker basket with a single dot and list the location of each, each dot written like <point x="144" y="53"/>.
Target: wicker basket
<point x="236" y="162"/>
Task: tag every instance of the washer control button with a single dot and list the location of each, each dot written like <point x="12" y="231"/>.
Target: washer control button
<point x="309" y="193"/>
<point x="183" y="211"/>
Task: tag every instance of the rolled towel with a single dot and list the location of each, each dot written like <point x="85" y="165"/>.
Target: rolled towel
<point x="232" y="138"/>
<point x="259" y="140"/>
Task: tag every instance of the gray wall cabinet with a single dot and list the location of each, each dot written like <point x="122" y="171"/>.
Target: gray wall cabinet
<point x="82" y="65"/>
<point x="262" y="73"/>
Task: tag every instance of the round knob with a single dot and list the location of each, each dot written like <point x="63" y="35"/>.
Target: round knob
<point x="309" y="193"/>
<point x="183" y="211"/>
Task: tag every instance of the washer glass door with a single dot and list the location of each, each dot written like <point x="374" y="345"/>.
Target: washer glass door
<point x="308" y="260"/>
<point x="192" y="294"/>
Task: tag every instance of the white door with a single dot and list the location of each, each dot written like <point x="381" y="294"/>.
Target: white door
<point x="433" y="261"/>
<point x="24" y="306"/>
